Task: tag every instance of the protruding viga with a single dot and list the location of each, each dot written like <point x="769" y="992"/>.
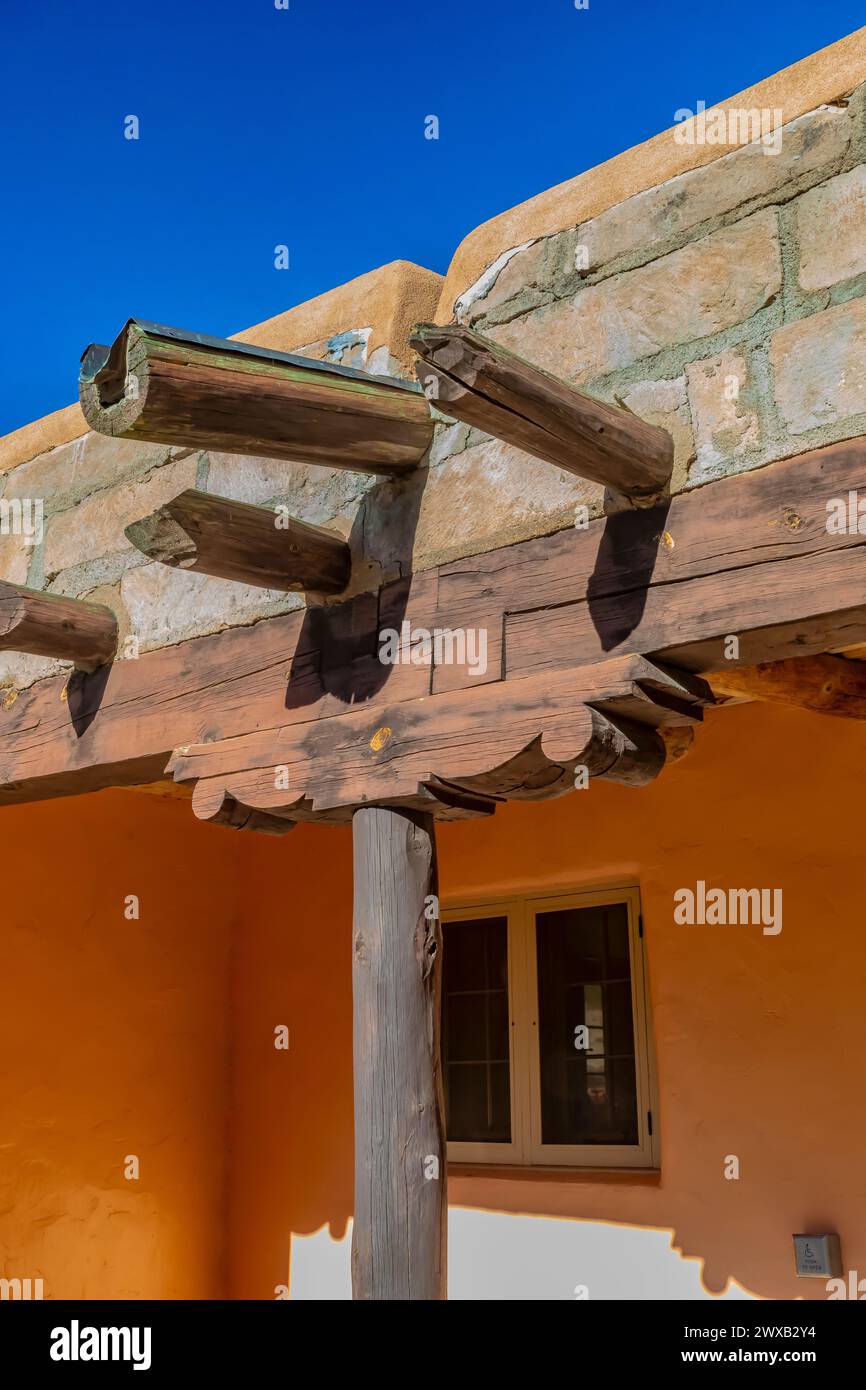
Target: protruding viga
<point x="170" y="387"/>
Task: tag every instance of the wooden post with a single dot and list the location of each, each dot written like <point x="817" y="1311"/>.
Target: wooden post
<point x="475" y="380"/>
<point x="50" y="625"/>
<point x="399" y="1240"/>
<point x="206" y="534"/>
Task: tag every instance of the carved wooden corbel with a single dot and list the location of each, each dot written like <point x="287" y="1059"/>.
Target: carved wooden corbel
<point x="456" y="754"/>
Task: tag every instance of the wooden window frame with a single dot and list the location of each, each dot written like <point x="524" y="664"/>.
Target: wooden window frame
<point x="525" y="1148"/>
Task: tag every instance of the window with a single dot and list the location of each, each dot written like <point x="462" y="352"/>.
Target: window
<point x="545" y="1033"/>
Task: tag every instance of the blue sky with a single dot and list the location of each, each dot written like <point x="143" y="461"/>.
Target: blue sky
<point x="305" y="127"/>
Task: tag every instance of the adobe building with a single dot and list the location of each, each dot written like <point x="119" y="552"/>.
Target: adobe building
<point x="585" y="641"/>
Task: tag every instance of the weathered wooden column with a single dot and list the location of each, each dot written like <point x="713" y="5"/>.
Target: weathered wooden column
<point x="399" y="1241"/>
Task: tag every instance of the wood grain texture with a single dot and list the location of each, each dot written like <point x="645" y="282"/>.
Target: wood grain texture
<point x="521" y="740"/>
<point x="750" y="556"/>
<point x="219" y="397"/>
<point x="211" y="802"/>
<point x="252" y="545"/>
<point x="774" y="513"/>
<point x="790" y="607"/>
<point x="825" y="684"/>
<point x="68" y="629"/>
<point x="473" y="379"/>
<point x="401" y="1200"/>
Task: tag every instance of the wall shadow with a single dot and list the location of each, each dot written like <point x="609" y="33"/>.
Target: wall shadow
<point x="337" y="651"/>
<point x="624" y="566"/>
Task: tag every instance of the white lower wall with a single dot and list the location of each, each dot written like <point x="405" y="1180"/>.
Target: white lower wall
<point x="493" y="1255"/>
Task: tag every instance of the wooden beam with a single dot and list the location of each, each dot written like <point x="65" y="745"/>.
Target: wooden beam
<point x="160" y="384"/>
<point x="749" y="556"/>
<point x="401" y="1203"/>
<point x="778" y="512"/>
<point x="475" y="380"/>
<point x="214" y="535"/>
<point x="51" y="625"/>
<point x="217" y="806"/>
<point x="825" y="684"/>
<point x="790" y="607"/>
<point x="520" y="740"/>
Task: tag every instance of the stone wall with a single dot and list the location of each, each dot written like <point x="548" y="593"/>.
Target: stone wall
<point x="727" y="303"/>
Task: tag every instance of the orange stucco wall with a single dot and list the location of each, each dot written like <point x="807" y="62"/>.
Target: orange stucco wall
<point x="759" y="1039"/>
<point x="157" y="1037"/>
<point x="115" y="1043"/>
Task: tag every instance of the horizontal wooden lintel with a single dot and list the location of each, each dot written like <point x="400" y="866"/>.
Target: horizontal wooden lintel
<point x="825" y="684"/>
<point x="748" y="556"/>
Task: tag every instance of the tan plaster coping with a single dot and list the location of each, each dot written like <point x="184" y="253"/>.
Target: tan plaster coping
<point x="388" y="301"/>
<point x="41" y="435"/>
<point x="818" y="80"/>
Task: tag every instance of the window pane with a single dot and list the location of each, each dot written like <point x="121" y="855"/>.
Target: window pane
<point x="619" y="1013"/>
<point x="475" y="1031"/>
<point x="586" y="1026"/>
